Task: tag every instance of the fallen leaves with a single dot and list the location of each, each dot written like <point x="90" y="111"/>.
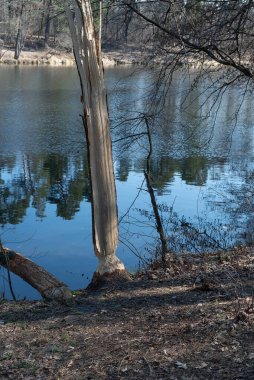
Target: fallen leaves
<point x="159" y="329"/>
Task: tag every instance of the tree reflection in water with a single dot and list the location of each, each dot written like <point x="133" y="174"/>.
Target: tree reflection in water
<point x="39" y="180"/>
<point x="201" y="171"/>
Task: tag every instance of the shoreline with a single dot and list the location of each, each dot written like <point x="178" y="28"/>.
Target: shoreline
<point x="56" y="58"/>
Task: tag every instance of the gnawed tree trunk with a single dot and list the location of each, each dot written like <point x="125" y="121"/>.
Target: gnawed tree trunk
<point x="96" y="123"/>
<point x="47" y="285"/>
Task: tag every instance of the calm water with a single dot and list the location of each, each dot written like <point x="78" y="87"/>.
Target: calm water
<point x="202" y="169"/>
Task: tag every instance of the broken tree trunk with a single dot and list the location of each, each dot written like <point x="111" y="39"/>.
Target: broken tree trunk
<point x="96" y="123"/>
<point x="47" y="285"/>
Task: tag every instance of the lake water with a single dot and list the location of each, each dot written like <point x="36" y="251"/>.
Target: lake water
<point x="201" y="168"/>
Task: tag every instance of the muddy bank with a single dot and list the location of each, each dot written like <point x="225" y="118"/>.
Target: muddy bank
<point x="193" y="321"/>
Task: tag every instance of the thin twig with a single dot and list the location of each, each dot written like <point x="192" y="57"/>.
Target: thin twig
<point x="8" y="271"/>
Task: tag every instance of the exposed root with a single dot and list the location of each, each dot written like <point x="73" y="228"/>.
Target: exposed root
<point x="108" y="279"/>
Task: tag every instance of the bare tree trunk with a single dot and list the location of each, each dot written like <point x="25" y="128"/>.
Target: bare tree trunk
<point x="100" y="29"/>
<point x="47" y="25"/>
<point x="18" y="44"/>
<point x="19" y="38"/>
<point x="159" y="225"/>
<point x="128" y="19"/>
<point x="96" y="123"/>
<point x="9" y="28"/>
<point x="46" y="284"/>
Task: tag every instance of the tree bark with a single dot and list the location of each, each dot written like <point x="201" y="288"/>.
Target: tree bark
<point x="18" y="44"/>
<point x="159" y="225"/>
<point x="47" y="285"/>
<point x="19" y="37"/>
<point x="47" y="25"/>
<point x="96" y="123"/>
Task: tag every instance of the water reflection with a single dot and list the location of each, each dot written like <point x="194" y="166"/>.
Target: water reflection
<point x="192" y="170"/>
<point x="33" y="181"/>
<point x="200" y="168"/>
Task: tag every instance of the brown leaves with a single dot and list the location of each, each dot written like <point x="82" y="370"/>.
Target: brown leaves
<point x="148" y="329"/>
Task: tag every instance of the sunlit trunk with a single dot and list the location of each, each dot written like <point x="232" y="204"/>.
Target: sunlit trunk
<point x="96" y="123"/>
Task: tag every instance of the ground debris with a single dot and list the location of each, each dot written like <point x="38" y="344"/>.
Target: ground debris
<point x="154" y="327"/>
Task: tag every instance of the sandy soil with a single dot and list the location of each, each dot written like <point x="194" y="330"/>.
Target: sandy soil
<point x="194" y="320"/>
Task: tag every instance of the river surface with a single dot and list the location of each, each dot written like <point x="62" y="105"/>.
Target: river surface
<point x="201" y="168"/>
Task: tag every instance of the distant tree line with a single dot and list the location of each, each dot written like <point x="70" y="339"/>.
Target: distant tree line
<point x="33" y="24"/>
<point x="177" y="30"/>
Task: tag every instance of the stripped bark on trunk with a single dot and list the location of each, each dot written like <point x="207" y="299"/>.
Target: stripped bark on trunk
<point x="96" y="123"/>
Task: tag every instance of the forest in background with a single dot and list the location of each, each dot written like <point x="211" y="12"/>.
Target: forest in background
<point x="43" y="24"/>
<point x="174" y="30"/>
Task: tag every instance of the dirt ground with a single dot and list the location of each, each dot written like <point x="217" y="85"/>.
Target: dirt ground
<point x="194" y="320"/>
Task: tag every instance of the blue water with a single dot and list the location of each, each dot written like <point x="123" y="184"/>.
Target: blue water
<point x="201" y="168"/>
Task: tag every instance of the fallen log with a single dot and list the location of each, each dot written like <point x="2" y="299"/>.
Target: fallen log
<point x="47" y="285"/>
